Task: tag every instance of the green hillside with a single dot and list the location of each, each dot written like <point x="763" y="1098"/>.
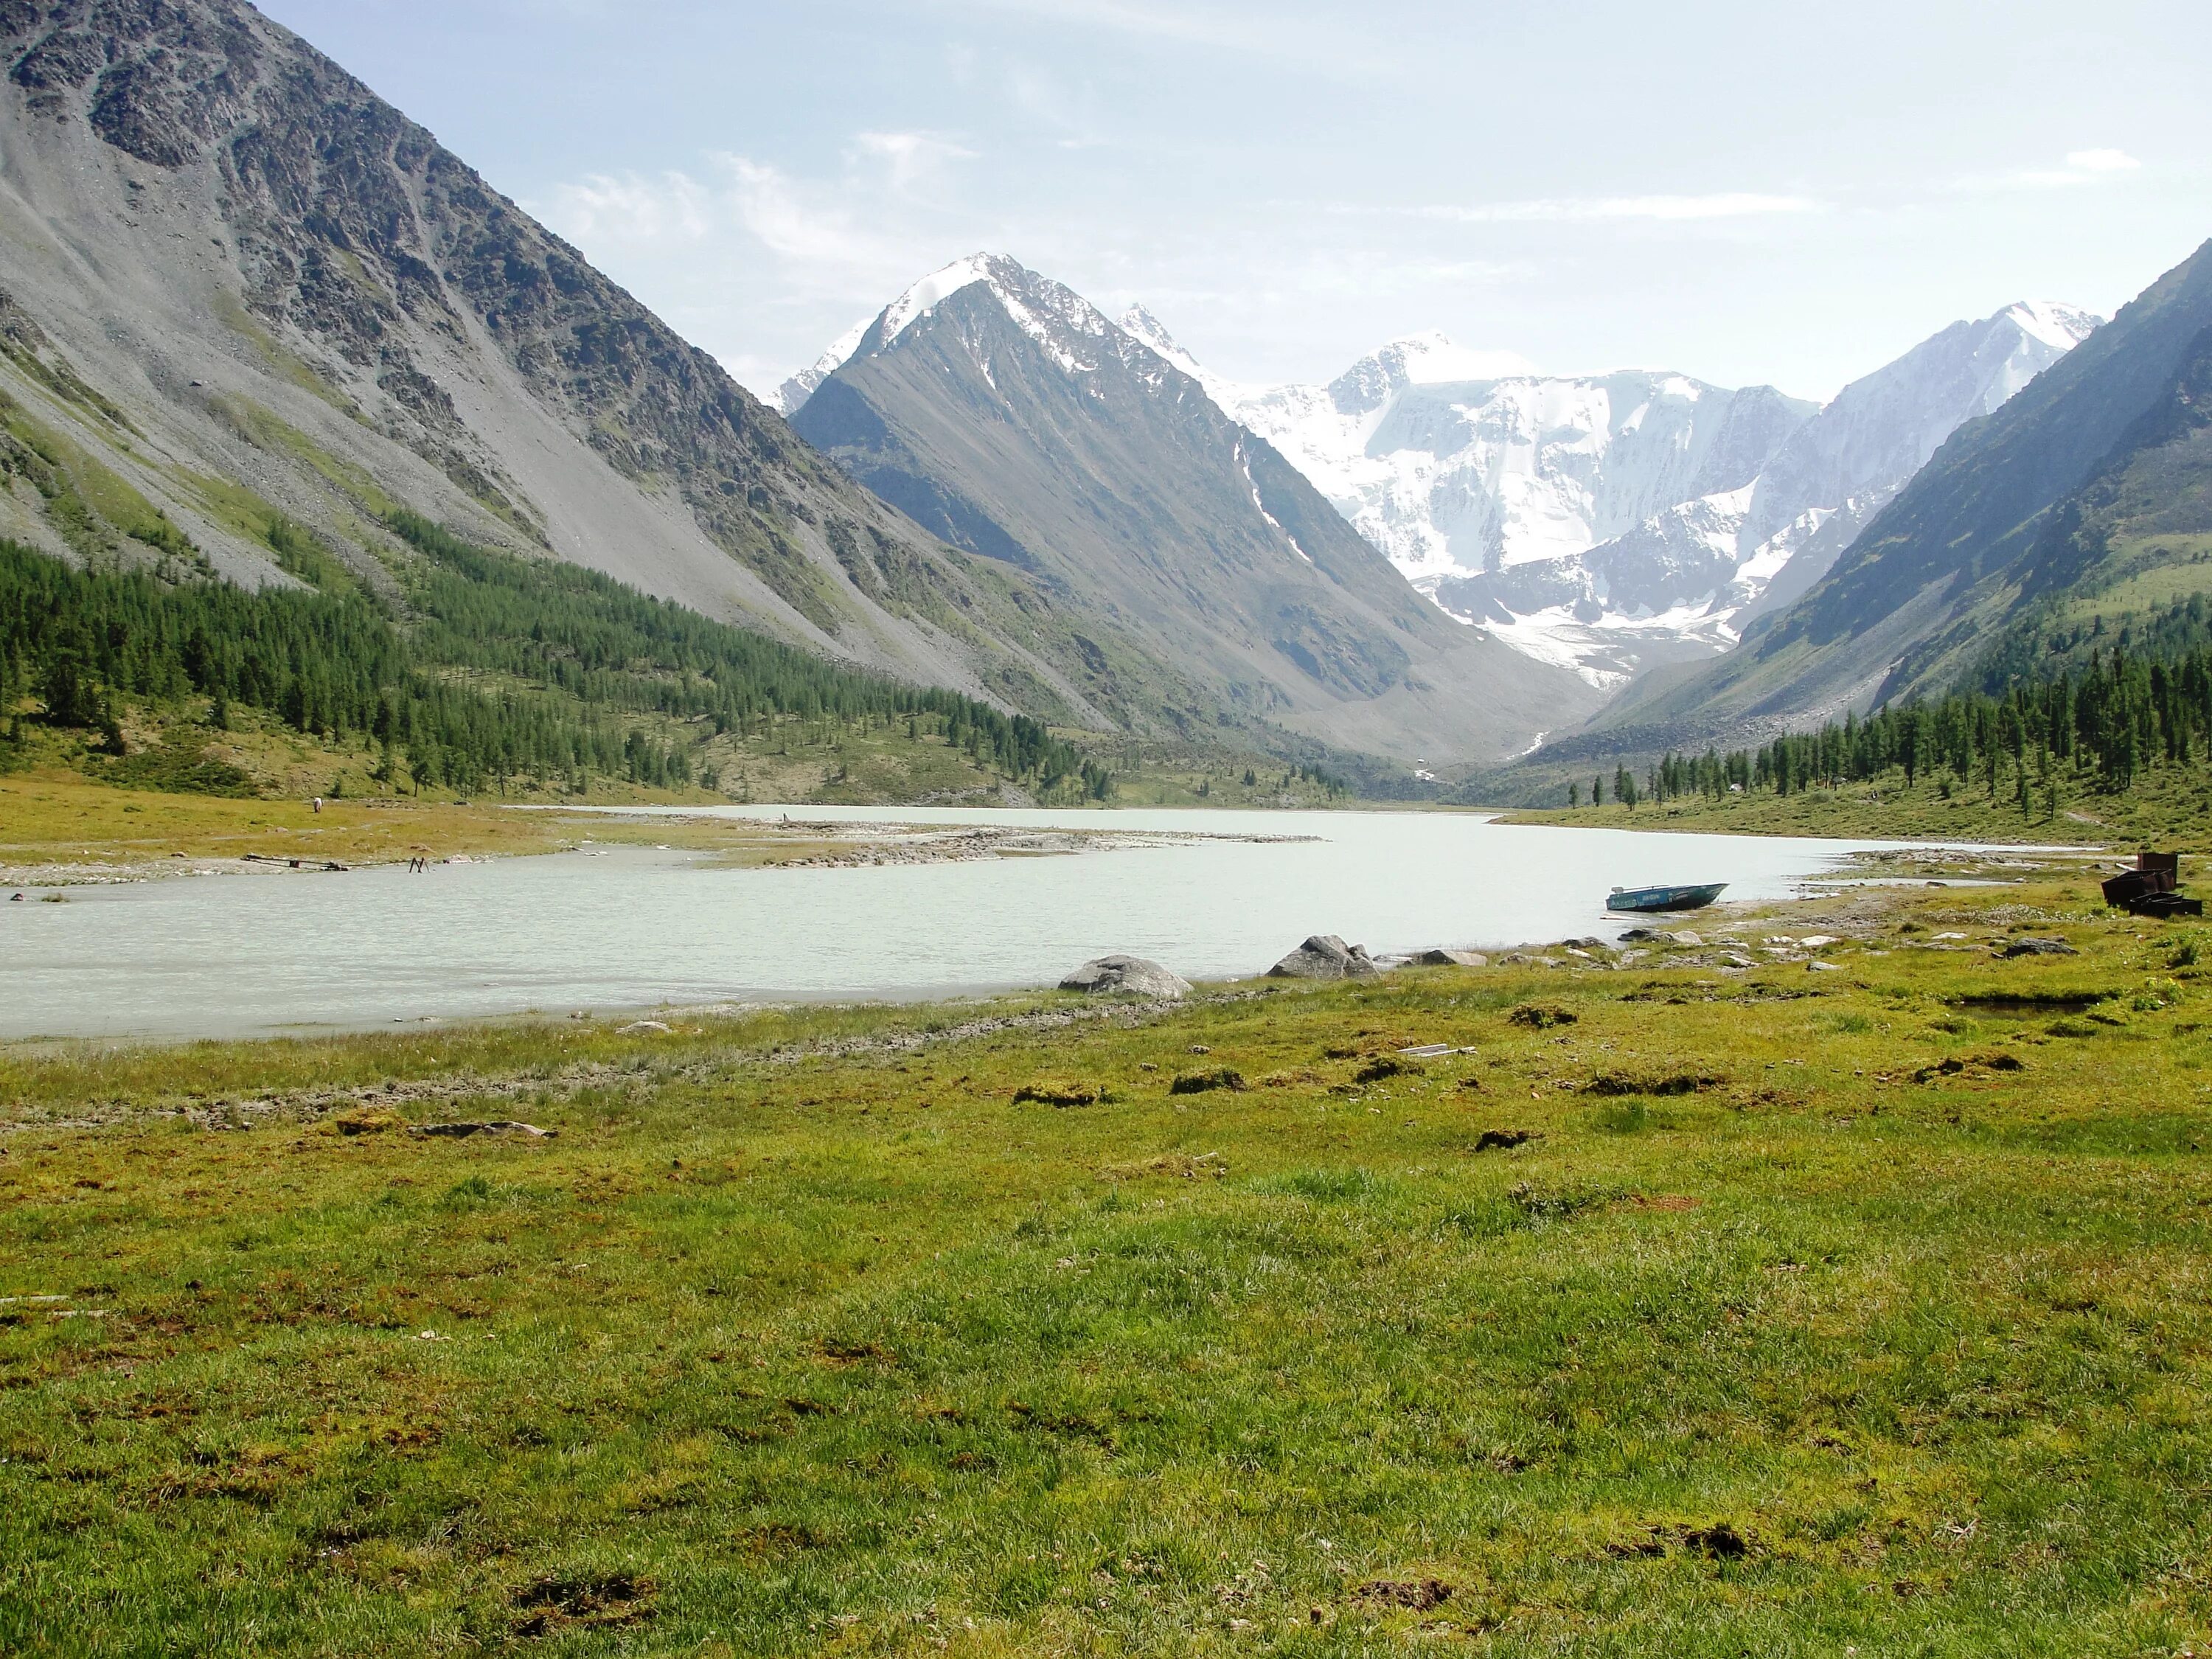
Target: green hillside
<point x="487" y="672"/>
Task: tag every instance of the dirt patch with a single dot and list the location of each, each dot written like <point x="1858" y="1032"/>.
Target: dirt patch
<point x="1665" y="1201"/>
<point x="1542" y="1016"/>
<point x="599" y="1600"/>
<point x="1720" y="1540"/>
<point x="1420" y="1594"/>
<point x="367" y="1121"/>
<point x="1388" y="1066"/>
<point x="1200" y="1083"/>
<point x="1613" y="1085"/>
<point x="1973" y="1065"/>
<point x="1491" y="1140"/>
<point x="1050" y="1092"/>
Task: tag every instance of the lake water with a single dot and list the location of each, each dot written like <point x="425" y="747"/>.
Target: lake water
<point x="226" y="956"/>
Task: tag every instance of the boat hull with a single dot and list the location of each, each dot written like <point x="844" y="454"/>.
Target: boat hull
<point x="1654" y="901"/>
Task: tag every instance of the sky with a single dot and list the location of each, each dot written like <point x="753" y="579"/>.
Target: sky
<point x="1744" y="192"/>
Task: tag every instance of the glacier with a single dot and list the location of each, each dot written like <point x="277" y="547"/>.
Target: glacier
<point x="1609" y="523"/>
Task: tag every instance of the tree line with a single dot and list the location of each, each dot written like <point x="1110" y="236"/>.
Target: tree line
<point x="494" y="668"/>
<point x="2095" y="729"/>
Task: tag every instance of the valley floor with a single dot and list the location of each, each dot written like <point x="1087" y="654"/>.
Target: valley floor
<point x="1680" y="1309"/>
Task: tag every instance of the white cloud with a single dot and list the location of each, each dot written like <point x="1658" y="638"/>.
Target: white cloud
<point x="805" y="223"/>
<point x="1267" y="33"/>
<point x="1727" y="204"/>
<point x="630" y="209"/>
<point x="2083" y="167"/>
<point x="910" y="158"/>
<point x="802" y="224"/>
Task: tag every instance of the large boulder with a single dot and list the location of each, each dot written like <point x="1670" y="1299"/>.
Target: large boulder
<point x="1326" y="957"/>
<point x="1128" y="976"/>
<point x="1451" y="959"/>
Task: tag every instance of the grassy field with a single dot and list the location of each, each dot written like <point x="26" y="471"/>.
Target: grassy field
<point x="2169" y="808"/>
<point x="1691" y="1312"/>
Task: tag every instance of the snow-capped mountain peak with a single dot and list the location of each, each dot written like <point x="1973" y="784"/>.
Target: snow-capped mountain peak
<point x="1141" y="325"/>
<point x="2055" y="324"/>
<point x="933" y="290"/>
<point x="1427" y="359"/>
<point x="1066" y="326"/>
<point x="1612" y="521"/>
<point x="800" y="387"/>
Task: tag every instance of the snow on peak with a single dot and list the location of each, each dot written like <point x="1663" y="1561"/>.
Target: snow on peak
<point x="2058" y="326"/>
<point x="1056" y="316"/>
<point x="1148" y="330"/>
<point x="800" y="387"/>
<point x="1437" y="358"/>
<point x="934" y="289"/>
<point x="1428" y="359"/>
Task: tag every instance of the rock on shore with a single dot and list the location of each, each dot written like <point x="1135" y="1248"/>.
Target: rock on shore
<point x="1326" y="957"/>
<point x="1128" y="976"/>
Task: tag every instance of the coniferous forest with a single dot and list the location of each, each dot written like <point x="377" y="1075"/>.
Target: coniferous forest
<point x="2108" y="709"/>
<point x="493" y="670"/>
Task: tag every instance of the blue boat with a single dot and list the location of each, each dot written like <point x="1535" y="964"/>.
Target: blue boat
<point x="1649" y="900"/>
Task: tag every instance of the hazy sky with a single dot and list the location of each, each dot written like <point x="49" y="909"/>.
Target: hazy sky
<point x="1766" y="191"/>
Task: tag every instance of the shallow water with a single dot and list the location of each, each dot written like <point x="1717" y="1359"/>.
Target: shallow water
<point x="229" y="956"/>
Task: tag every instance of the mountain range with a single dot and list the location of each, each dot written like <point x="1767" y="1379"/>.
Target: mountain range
<point x="1613" y="522"/>
<point x="1008" y="415"/>
<point x="243" y="300"/>
<point x="238" y="284"/>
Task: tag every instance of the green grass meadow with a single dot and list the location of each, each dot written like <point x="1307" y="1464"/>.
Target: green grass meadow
<point x="1816" y="1313"/>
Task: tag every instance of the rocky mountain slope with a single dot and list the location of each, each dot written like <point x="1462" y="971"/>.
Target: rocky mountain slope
<point x="2088" y="481"/>
<point x="1610" y="523"/>
<point x="1006" y="414"/>
<point x="238" y="292"/>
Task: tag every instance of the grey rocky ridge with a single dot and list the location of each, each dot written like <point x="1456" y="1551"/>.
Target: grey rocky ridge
<point x="242" y="283"/>
<point x="1006" y="414"/>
